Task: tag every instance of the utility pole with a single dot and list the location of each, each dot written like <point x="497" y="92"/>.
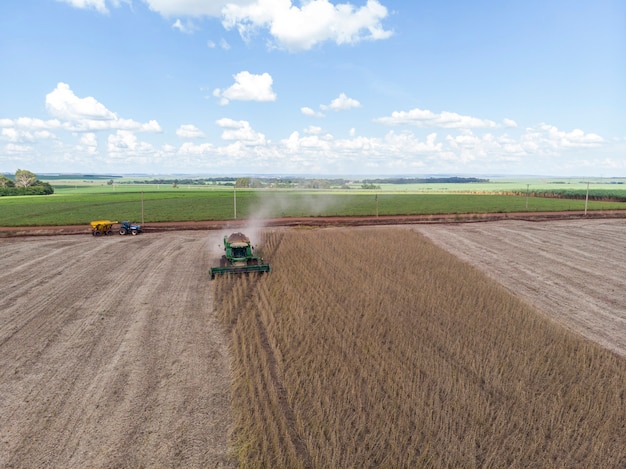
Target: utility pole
<point x="527" y="187"/>
<point x="587" y="198"/>
<point x="142" y="207"/>
<point x="235" y="199"/>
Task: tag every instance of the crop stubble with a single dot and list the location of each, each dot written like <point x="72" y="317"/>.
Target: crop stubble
<point x="110" y="354"/>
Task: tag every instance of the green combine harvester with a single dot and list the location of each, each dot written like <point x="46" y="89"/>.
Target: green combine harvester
<point x="239" y="258"/>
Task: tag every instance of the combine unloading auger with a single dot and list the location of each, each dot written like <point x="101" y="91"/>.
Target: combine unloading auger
<point x="239" y="257"/>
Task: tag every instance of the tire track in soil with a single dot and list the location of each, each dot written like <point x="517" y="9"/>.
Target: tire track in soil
<point x="122" y="367"/>
<point x="296" y="438"/>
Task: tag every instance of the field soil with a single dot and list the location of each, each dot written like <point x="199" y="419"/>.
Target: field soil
<point x="573" y="271"/>
<point x="111" y="354"/>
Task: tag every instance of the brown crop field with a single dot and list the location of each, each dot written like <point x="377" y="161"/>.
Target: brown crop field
<point x="364" y="347"/>
<point x="374" y="347"/>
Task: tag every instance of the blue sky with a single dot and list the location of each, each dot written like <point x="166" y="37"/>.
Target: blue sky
<point x="314" y="87"/>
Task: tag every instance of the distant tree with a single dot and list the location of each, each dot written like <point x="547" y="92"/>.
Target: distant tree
<point x="24" y="178"/>
<point x="5" y="181"/>
<point x="110" y="182"/>
<point x="26" y="183"/>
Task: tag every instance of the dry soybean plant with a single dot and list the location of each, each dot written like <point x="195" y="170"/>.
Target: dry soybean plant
<point x="375" y="348"/>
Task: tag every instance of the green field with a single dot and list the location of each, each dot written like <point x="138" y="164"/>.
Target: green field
<point x="75" y="204"/>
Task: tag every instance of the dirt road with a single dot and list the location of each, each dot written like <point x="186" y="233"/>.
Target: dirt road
<point x="110" y="354"/>
<point x="574" y="271"/>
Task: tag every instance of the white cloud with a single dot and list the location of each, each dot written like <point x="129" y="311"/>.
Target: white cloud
<point x="307" y="111"/>
<point x="341" y="103"/>
<point x="98" y="5"/>
<point x="313" y="130"/>
<point x="169" y="8"/>
<point x="550" y="140"/>
<point x="124" y="143"/>
<point x="247" y="87"/>
<point x="89" y="143"/>
<point x="189" y="131"/>
<point x="186" y="27"/>
<point x="65" y="105"/>
<point x="86" y="114"/>
<point x="189" y="148"/>
<point x="291" y="26"/>
<point x="315" y="21"/>
<point x="240" y="131"/>
<point x="426" y="118"/>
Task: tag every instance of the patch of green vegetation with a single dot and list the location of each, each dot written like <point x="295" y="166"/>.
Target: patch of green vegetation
<point x="75" y="206"/>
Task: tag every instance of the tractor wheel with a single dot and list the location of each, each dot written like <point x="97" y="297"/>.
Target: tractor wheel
<point x="133" y="232"/>
<point x="109" y="232"/>
<point x="97" y="233"/>
<point x="123" y="231"/>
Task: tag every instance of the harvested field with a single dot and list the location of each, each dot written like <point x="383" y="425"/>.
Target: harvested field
<point x="573" y="271"/>
<point x="111" y="354"/>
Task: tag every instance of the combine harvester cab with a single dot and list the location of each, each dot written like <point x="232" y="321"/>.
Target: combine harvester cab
<point x="239" y="257"/>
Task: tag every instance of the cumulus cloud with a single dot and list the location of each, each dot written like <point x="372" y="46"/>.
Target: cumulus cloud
<point x="87" y="114"/>
<point x="189" y="131"/>
<point x="307" y="111"/>
<point x="315" y="21"/>
<point x="65" y="105"/>
<point x="446" y="120"/>
<point x="247" y="87"/>
<point x="240" y="131"/>
<point x="341" y="103"/>
<point x="125" y="143"/>
<point x="313" y="130"/>
<point x="292" y="27"/>
<point x="89" y="143"/>
<point x="549" y="138"/>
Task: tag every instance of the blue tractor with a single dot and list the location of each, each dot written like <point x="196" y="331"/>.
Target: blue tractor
<point x="129" y="228"/>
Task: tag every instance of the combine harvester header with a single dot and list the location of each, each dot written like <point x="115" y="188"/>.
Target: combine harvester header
<point x="239" y="258"/>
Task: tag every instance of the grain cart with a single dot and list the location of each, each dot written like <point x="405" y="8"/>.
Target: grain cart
<point x="102" y="227"/>
<point x="127" y="227"/>
<point x="239" y="258"/>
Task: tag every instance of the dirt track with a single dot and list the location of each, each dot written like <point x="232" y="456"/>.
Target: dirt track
<point x="110" y="354"/>
<point x="573" y="271"/>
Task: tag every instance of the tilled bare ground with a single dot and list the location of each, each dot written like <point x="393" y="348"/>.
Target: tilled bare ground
<point x="573" y="271"/>
<point x="110" y="353"/>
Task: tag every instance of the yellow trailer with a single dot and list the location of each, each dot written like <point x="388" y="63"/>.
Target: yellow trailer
<point x="102" y="227"/>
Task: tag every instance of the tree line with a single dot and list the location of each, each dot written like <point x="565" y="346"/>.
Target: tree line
<point x="24" y="182"/>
